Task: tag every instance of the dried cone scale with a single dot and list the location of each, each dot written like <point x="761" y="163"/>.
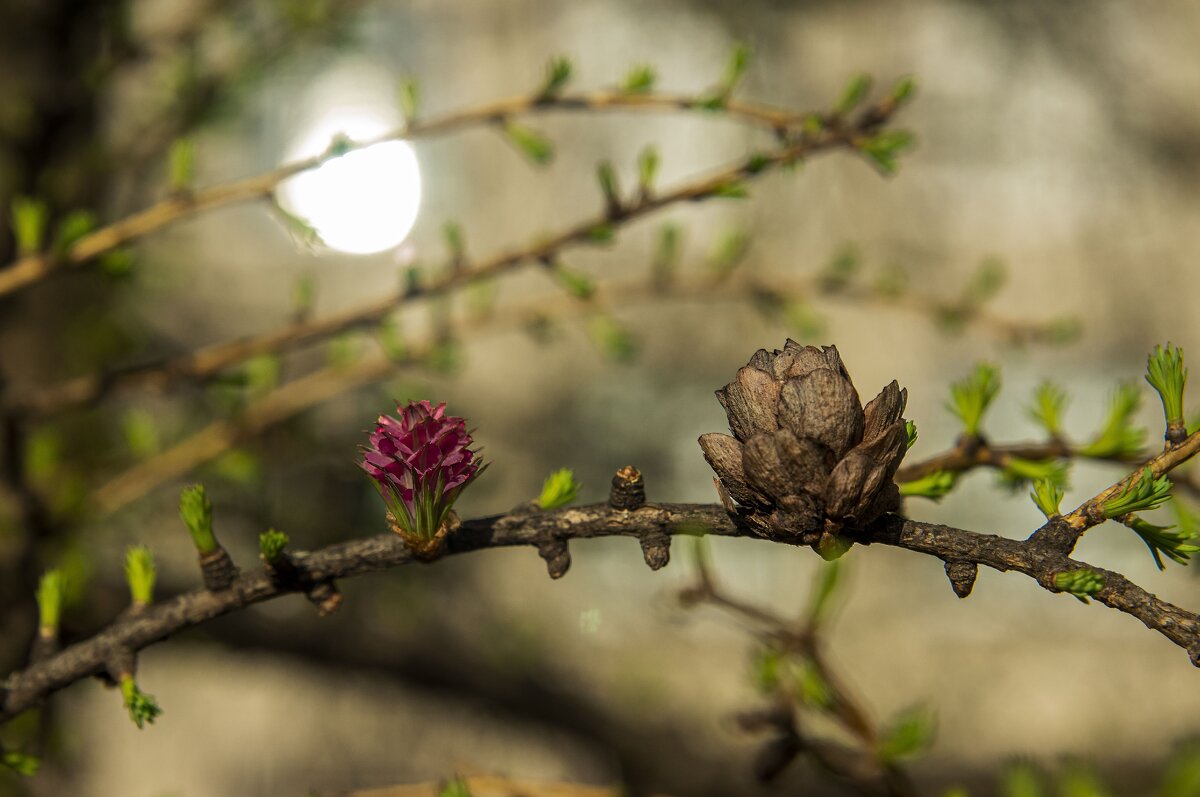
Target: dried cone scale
<point x="804" y="451"/>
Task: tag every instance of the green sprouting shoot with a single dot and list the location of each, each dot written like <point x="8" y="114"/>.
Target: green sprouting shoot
<point x="1118" y="438"/>
<point x="558" y="72"/>
<point x="529" y="142"/>
<point x="1049" y="401"/>
<point x="1166" y="374"/>
<point x="21" y="763"/>
<point x="1177" y="544"/>
<point x="1142" y="495"/>
<point x="1081" y="582"/>
<point x="141" y="706"/>
<point x="182" y="164"/>
<point x="559" y="489"/>
<point x="271" y="544"/>
<point x="29" y="220"/>
<point x="1047" y="496"/>
<point x="196" y="511"/>
<point x="140" y="574"/>
<point x="934" y="486"/>
<point x="970" y="397"/>
<point x="639" y="80"/>
<point x="51" y="595"/>
<point x="1018" y="471"/>
<point x="908" y="734"/>
<point x="910" y="430"/>
<point x="854" y="93"/>
<point x="408" y="95"/>
<point x="647" y="168"/>
<point x="884" y="149"/>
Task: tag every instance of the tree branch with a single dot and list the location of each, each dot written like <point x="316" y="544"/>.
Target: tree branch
<point x="525" y="528"/>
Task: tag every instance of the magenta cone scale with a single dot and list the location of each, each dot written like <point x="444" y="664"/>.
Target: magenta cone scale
<point x="420" y="462"/>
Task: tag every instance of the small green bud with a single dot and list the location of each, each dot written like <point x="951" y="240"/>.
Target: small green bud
<point x="613" y="339"/>
<point x="910" y="431"/>
<point x="666" y="256"/>
<point x="970" y="398"/>
<point x="1118" y="438"/>
<point x="140" y="574"/>
<point x="29" y="219"/>
<point x="141" y="433"/>
<point x="455" y="242"/>
<point x="196" y="511"/>
<point x="840" y="270"/>
<point x="408" y="96"/>
<point x="647" y="168"/>
<point x="271" y="544"/>
<point x="142" y="707"/>
<point x="854" y="93"/>
<point x="1143" y="494"/>
<point x="182" y="163"/>
<point x="903" y="90"/>
<point x="1166" y="374"/>
<point x="1048" y="404"/>
<point x="559" y="489"/>
<point x="811" y="687"/>
<point x="578" y="285"/>
<point x="454" y="788"/>
<point x="1021" y="779"/>
<point x="987" y="281"/>
<point x="51" y="595"/>
<point x="1018" y="471"/>
<point x="730" y="189"/>
<point x="1081" y="582"/>
<point x="935" y="486"/>
<point x="908" y="734"/>
<point x="73" y="226"/>
<point x="22" y="764"/>
<point x="606" y="175"/>
<point x="639" y="80"/>
<point x="728" y="252"/>
<point x="558" y="72"/>
<point x="530" y="143"/>
<point x="766" y="669"/>
<point x="884" y="149"/>
<point x="1047" y="496"/>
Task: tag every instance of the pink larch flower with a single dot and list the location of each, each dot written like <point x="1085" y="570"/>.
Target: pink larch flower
<point x="420" y="462"/>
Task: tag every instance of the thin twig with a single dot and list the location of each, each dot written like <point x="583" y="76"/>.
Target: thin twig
<point x="33" y="268"/>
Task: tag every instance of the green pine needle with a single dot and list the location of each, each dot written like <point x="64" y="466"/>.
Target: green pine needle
<point x="530" y="143"/>
<point x="1118" y="438"/>
<point x="970" y="397"/>
<point x="558" y="72"/>
<point x="1049" y="401"/>
<point x="1178" y="545"/>
<point x="140" y="574"/>
<point x="559" y="489"/>
<point x="935" y="486"/>
<point x="1142" y="495"/>
<point x="1047" y="496"/>
<point x="639" y="80"/>
<point x="196" y="511"/>
<point x="1166" y="374"/>
<point x="1018" y="471"/>
<point x="854" y="93"/>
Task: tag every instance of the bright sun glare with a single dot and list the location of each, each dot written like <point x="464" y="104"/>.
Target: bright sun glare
<point x="365" y="201"/>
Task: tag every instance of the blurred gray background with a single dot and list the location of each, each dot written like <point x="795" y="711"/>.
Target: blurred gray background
<point x="1063" y="139"/>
